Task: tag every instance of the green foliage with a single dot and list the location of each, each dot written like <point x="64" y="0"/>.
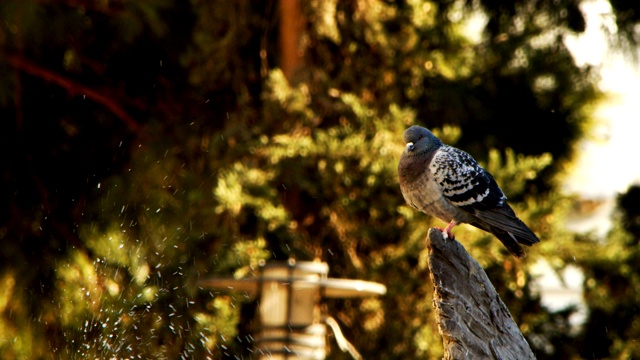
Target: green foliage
<point x="612" y="277"/>
<point x="158" y="143"/>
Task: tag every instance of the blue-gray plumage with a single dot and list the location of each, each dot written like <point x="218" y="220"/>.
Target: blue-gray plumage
<point x="448" y="183"/>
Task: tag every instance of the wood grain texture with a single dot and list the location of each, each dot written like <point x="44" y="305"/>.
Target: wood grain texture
<point x="472" y="319"/>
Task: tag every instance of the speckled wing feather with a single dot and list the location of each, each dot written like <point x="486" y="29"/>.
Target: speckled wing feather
<point x="463" y="182"/>
<point x="471" y="188"/>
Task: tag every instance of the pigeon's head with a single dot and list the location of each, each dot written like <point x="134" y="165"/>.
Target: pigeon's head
<point x="420" y="140"/>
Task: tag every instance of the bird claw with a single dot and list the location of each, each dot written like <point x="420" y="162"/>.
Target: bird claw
<point x="446" y="234"/>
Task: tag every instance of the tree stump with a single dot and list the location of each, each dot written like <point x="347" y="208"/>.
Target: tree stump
<point x="472" y="319"/>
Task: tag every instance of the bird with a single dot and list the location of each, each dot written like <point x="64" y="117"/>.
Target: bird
<point x="449" y="184"/>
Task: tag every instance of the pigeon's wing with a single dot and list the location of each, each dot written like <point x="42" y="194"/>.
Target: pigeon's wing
<point x="463" y="182"/>
<point x="471" y="188"/>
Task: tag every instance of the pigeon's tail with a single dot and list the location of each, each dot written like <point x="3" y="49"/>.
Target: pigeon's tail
<point x="510" y="242"/>
<point x="511" y="231"/>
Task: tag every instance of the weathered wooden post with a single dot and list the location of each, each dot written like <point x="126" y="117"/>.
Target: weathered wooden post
<point x="472" y="319"/>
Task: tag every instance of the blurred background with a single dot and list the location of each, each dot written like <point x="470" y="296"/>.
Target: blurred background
<point x="148" y="144"/>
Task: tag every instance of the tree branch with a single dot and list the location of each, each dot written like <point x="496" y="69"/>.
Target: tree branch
<point x="73" y="88"/>
<point x="472" y="319"/>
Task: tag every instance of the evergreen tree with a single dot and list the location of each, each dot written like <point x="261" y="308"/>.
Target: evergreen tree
<point x="149" y="144"/>
<point x="612" y="277"/>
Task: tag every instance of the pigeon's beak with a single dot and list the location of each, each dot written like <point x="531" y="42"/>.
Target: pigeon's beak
<point x="409" y="146"/>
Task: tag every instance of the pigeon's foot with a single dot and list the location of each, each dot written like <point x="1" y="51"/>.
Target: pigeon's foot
<point x="445" y="234"/>
<point x="447" y="231"/>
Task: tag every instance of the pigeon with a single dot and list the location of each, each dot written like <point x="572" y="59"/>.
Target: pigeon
<point x="447" y="183"/>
